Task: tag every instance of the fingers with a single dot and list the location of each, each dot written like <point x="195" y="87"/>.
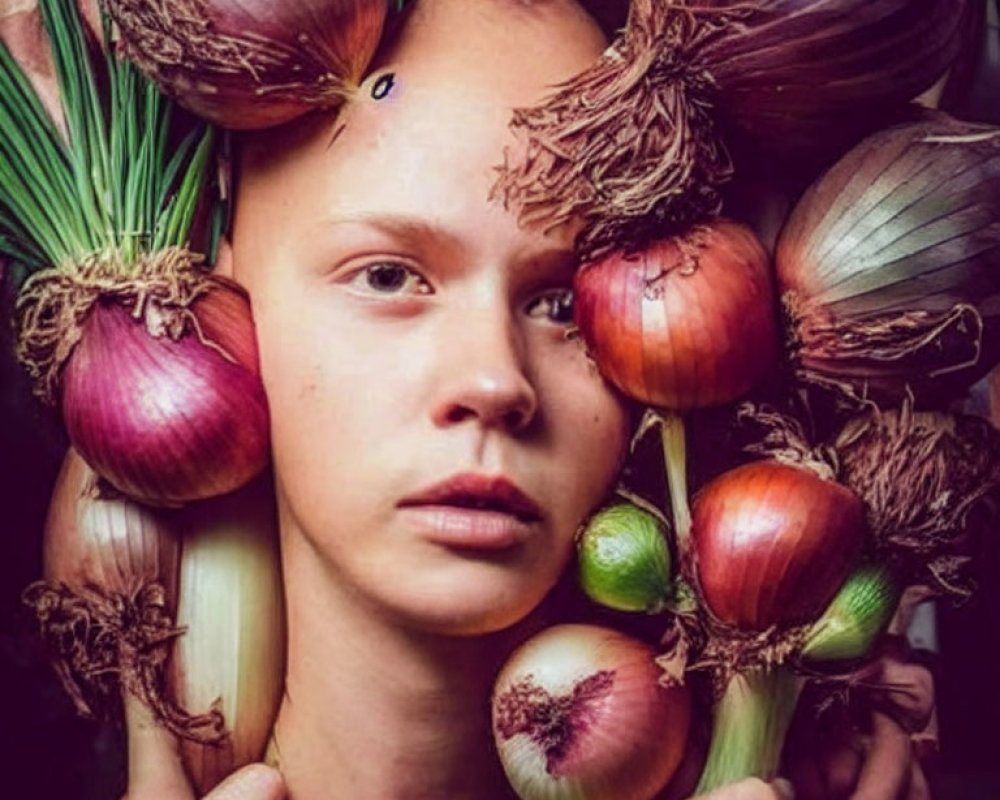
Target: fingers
<point x="886" y="771"/>
<point x="252" y="782"/>
<point x="155" y="771"/>
<point x="752" y="789"/>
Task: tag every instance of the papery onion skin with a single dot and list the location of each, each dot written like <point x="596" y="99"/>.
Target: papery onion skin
<point x="813" y="75"/>
<point x="106" y="609"/>
<point x="106" y="541"/>
<point x="688" y="322"/>
<point x="169" y="421"/>
<point x="616" y="731"/>
<point x="773" y="543"/>
<point x="252" y="64"/>
<point x="231" y="606"/>
<point x="889" y="265"/>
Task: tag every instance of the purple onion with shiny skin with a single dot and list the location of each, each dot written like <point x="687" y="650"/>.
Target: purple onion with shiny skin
<point x="169" y="421"/>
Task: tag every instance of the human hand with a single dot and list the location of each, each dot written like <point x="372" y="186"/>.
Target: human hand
<point x="875" y="748"/>
<point x="155" y="771"/>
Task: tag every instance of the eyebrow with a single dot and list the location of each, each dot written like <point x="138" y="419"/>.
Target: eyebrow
<point x="400" y="226"/>
<point x="409" y="228"/>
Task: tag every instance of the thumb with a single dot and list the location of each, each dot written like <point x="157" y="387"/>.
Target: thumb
<point x="155" y="771"/>
<point x="252" y="782"/>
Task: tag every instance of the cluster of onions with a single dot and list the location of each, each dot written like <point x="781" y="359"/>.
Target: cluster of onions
<point x="152" y="361"/>
<point x="153" y="364"/>
<point x="773" y="545"/>
<point x="775" y="582"/>
<point x="130" y="608"/>
<point x="688" y="322"/>
<point x="252" y="65"/>
<point x="889" y="265"/>
<point x="579" y="711"/>
<point x="637" y="143"/>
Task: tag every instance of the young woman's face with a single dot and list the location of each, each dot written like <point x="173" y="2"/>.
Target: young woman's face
<point x="437" y="436"/>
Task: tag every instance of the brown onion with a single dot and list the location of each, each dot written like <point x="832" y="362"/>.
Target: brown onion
<point x="107" y="605"/>
<point x="169" y="418"/>
<point x="773" y="543"/>
<point x="687" y="323"/>
<point x="249" y="64"/>
<point x="580" y="712"/>
<point x="889" y="266"/>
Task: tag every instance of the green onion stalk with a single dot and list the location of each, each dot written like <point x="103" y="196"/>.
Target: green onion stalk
<point x="118" y="321"/>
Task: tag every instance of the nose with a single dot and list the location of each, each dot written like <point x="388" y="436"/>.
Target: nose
<point x="483" y="375"/>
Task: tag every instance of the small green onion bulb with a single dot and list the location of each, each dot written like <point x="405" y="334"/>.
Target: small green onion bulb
<point x="624" y="560"/>
<point x="855" y="617"/>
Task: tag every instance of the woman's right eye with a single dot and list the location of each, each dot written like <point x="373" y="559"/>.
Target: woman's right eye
<point x="388" y="278"/>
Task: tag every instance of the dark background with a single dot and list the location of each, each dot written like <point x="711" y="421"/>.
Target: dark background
<point x="47" y="751"/>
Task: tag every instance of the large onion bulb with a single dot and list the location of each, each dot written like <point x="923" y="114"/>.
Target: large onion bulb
<point x="580" y="713"/>
<point x="249" y="64"/>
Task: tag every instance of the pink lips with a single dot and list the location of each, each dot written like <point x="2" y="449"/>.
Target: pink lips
<point x="472" y="510"/>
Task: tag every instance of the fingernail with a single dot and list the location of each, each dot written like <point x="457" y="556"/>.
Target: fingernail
<point x="784" y="789"/>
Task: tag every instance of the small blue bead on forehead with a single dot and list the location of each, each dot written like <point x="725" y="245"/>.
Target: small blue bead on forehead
<point x="383" y="86"/>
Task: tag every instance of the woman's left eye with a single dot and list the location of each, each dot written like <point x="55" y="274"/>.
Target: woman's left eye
<point x="389" y="277"/>
<point x="556" y="305"/>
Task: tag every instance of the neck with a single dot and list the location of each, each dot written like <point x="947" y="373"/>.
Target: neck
<point x="375" y="710"/>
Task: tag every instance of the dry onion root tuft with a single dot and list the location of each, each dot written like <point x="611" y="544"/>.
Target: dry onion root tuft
<point x="923" y="476"/>
<point x="627" y="146"/>
<point x="105" y="608"/>
<point x="251" y="64"/>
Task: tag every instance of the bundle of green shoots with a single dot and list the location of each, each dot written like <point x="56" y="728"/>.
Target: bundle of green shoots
<point x="152" y="361"/>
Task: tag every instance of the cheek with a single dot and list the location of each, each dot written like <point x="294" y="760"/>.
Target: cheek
<point x="590" y="423"/>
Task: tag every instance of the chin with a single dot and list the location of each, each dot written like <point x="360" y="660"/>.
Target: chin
<point x="476" y="606"/>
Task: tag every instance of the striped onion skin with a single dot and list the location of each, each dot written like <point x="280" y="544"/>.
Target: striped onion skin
<point x="806" y="74"/>
<point x="773" y="543"/>
<point x="687" y="323"/>
<point x="889" y="265"/>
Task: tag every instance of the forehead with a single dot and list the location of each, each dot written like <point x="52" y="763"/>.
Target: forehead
<point x="457" y="70"/>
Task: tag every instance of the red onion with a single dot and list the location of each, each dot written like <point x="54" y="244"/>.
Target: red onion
<point x="173" y="416"/>
<point x="249" y="64"/>
<point x="889" y="266"/>
<point x="579" y="711"/>
<point x="773" y="543"/>
<point x="816" y="74"/>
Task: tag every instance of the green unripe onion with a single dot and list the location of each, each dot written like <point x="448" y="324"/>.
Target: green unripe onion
<point x="624" y="560"/>
<point x="855" y="617"/>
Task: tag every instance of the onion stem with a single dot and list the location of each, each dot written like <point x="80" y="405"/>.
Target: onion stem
<point x="113" y="180"/>
<point x="749" y="726"/>
<point x="672" y="437"/>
